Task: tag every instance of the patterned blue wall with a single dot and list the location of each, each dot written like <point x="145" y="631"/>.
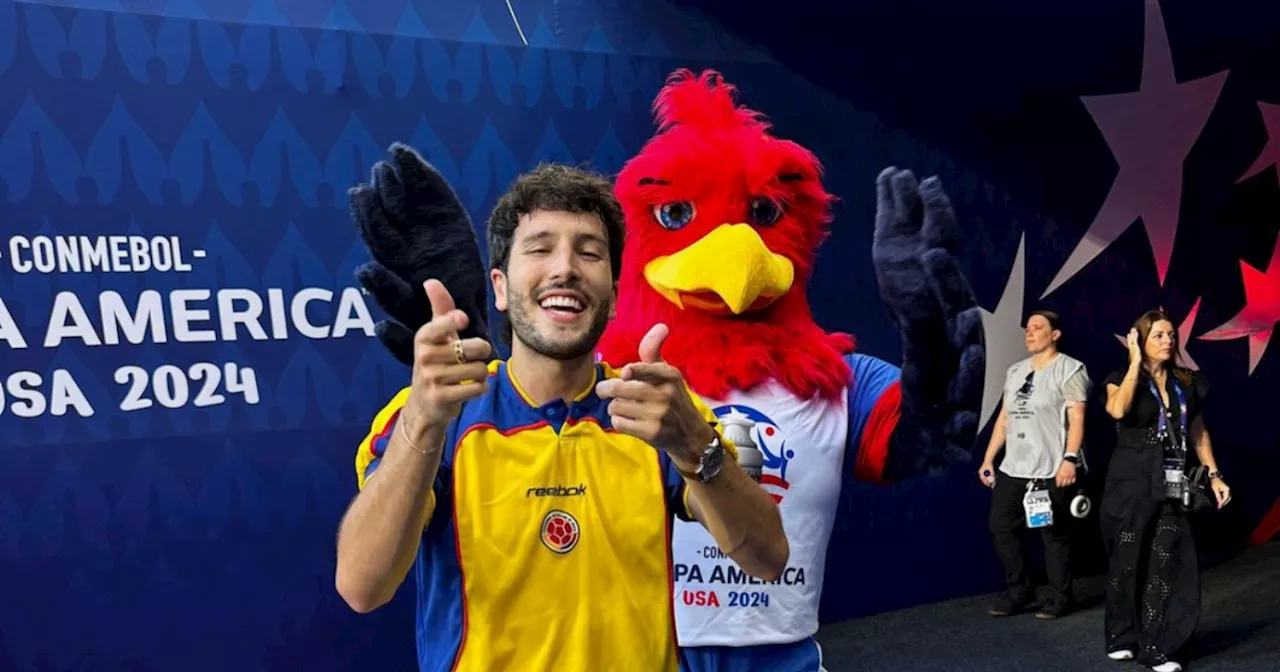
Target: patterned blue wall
<point x="198" y="535"/>
<point x="160" y="510"/>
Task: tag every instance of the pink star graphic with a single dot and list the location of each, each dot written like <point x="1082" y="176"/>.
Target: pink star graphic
<point x="1184" y="336"/>
<point x="1261" y="310"/>
<point x="1270" y="155"/>
<point x="1150" y="131"/>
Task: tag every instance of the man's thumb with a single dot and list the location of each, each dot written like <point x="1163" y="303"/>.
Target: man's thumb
<point x="651" y="344"/>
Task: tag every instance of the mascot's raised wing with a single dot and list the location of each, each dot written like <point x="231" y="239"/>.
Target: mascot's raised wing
<point x="416" y="229"/>
<point x="723" y="224"/>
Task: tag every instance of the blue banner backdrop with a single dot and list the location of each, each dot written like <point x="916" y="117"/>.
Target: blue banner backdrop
<point x="188" y="367"/>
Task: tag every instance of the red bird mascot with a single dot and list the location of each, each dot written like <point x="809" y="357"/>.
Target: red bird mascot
<point x="723" y="224"/>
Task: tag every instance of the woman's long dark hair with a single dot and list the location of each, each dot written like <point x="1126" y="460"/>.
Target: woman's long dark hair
<point x="1143" y="324"/>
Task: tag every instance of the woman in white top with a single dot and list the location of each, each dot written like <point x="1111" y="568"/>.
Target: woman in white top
<point x="1040" y="427"/>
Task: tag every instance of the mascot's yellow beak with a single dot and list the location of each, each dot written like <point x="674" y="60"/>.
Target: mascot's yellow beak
<point x="730" y="268"/>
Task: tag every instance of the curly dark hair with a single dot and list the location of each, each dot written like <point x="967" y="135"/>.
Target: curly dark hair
<point x="554" y="188"/>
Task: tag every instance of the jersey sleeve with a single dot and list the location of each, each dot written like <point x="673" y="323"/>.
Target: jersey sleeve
<point x="677" y="489"/>
<point x="1076" y="387"/>
<point x="375" y="443"/>
<point x="1114" y="378"/>
<point x="875" y="397"/>
<point x="369" y="455"/>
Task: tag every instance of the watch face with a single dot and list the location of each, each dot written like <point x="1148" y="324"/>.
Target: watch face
<point x="711" y="460"/>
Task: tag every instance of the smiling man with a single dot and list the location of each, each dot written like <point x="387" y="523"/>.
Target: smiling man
<point x="535" y="496"/>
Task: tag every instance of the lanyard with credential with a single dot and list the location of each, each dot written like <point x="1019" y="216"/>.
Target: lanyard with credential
<point x="1163" y="428"/>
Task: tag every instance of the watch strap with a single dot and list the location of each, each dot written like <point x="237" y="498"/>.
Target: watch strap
<point x="710" y="461"/>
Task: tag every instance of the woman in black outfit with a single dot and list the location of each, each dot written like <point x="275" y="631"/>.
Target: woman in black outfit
<point x="1153" y="583"/>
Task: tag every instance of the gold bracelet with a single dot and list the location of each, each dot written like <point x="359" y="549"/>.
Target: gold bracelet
<point x="404" y="434"/>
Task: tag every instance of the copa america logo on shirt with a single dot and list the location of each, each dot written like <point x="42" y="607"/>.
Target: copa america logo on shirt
<point x="771" y="441"/>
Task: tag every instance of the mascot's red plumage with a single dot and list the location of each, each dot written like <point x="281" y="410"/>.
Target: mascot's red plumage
<point x="723" y="224"/>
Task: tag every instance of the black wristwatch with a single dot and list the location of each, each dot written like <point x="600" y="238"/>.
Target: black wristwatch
<point x="1072" y="458"/>
<point x="709" y="463"/>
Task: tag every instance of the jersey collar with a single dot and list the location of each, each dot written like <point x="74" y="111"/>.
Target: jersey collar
<point x="556" y="411"/>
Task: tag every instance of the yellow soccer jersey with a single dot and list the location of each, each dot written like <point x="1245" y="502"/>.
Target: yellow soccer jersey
<point x="549" y="546"/>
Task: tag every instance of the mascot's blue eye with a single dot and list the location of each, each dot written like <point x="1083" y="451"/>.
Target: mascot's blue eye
<point x="675" y="215"/>
<point x="764" y="211"/>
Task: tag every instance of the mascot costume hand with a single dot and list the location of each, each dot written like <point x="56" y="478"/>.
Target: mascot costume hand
<point x="416" y="228"/>
<point x="723" y="226"/>
<point x="943" y="352"/>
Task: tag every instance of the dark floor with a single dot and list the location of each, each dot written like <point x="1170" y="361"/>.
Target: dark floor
<point x="1239" y="631"/>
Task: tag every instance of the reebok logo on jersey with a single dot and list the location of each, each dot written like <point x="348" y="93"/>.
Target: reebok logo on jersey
<point x="557" y="491"/>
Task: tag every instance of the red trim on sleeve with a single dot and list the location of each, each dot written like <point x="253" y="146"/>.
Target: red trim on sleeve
<point x="671" y="569"/>
<point x="873" y="448"/>
<point x="462" y="576"/>
<point x="380" y="439"/>
<point x="1268" y="528"/>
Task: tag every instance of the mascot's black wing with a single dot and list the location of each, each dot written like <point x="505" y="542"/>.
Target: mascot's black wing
<point x="915" y="251"/>
<point x="416" y="229"/>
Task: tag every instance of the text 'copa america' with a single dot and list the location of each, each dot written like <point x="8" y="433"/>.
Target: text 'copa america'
<point x="150" y="316"/>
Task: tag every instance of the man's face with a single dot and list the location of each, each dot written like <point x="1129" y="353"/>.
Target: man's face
<point x="558" y="288"/>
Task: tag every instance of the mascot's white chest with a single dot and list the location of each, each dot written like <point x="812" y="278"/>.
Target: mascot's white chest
<point x="803" y="443"/>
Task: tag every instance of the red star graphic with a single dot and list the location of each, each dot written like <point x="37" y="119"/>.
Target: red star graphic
<point x="1261" y="309"/>
<point x="1270" y="155"/>
<point x="1268" y="528"/>
<point x="1150" y="132"/>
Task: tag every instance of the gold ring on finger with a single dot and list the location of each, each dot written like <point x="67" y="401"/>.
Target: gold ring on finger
<point x="459" y="353"/>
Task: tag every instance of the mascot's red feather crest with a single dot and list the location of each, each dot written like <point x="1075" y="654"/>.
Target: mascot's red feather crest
<point x="706" y="102"/>
<point x="723" y="225"/>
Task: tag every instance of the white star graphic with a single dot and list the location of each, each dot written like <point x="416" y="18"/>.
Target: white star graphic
<point x="1184" y="336"/>
<point x="1150" y="132"/>
<point x="1005" y="334"/>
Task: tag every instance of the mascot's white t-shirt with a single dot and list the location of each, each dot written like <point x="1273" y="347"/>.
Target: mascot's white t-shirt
<point x="717" y="604"/>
